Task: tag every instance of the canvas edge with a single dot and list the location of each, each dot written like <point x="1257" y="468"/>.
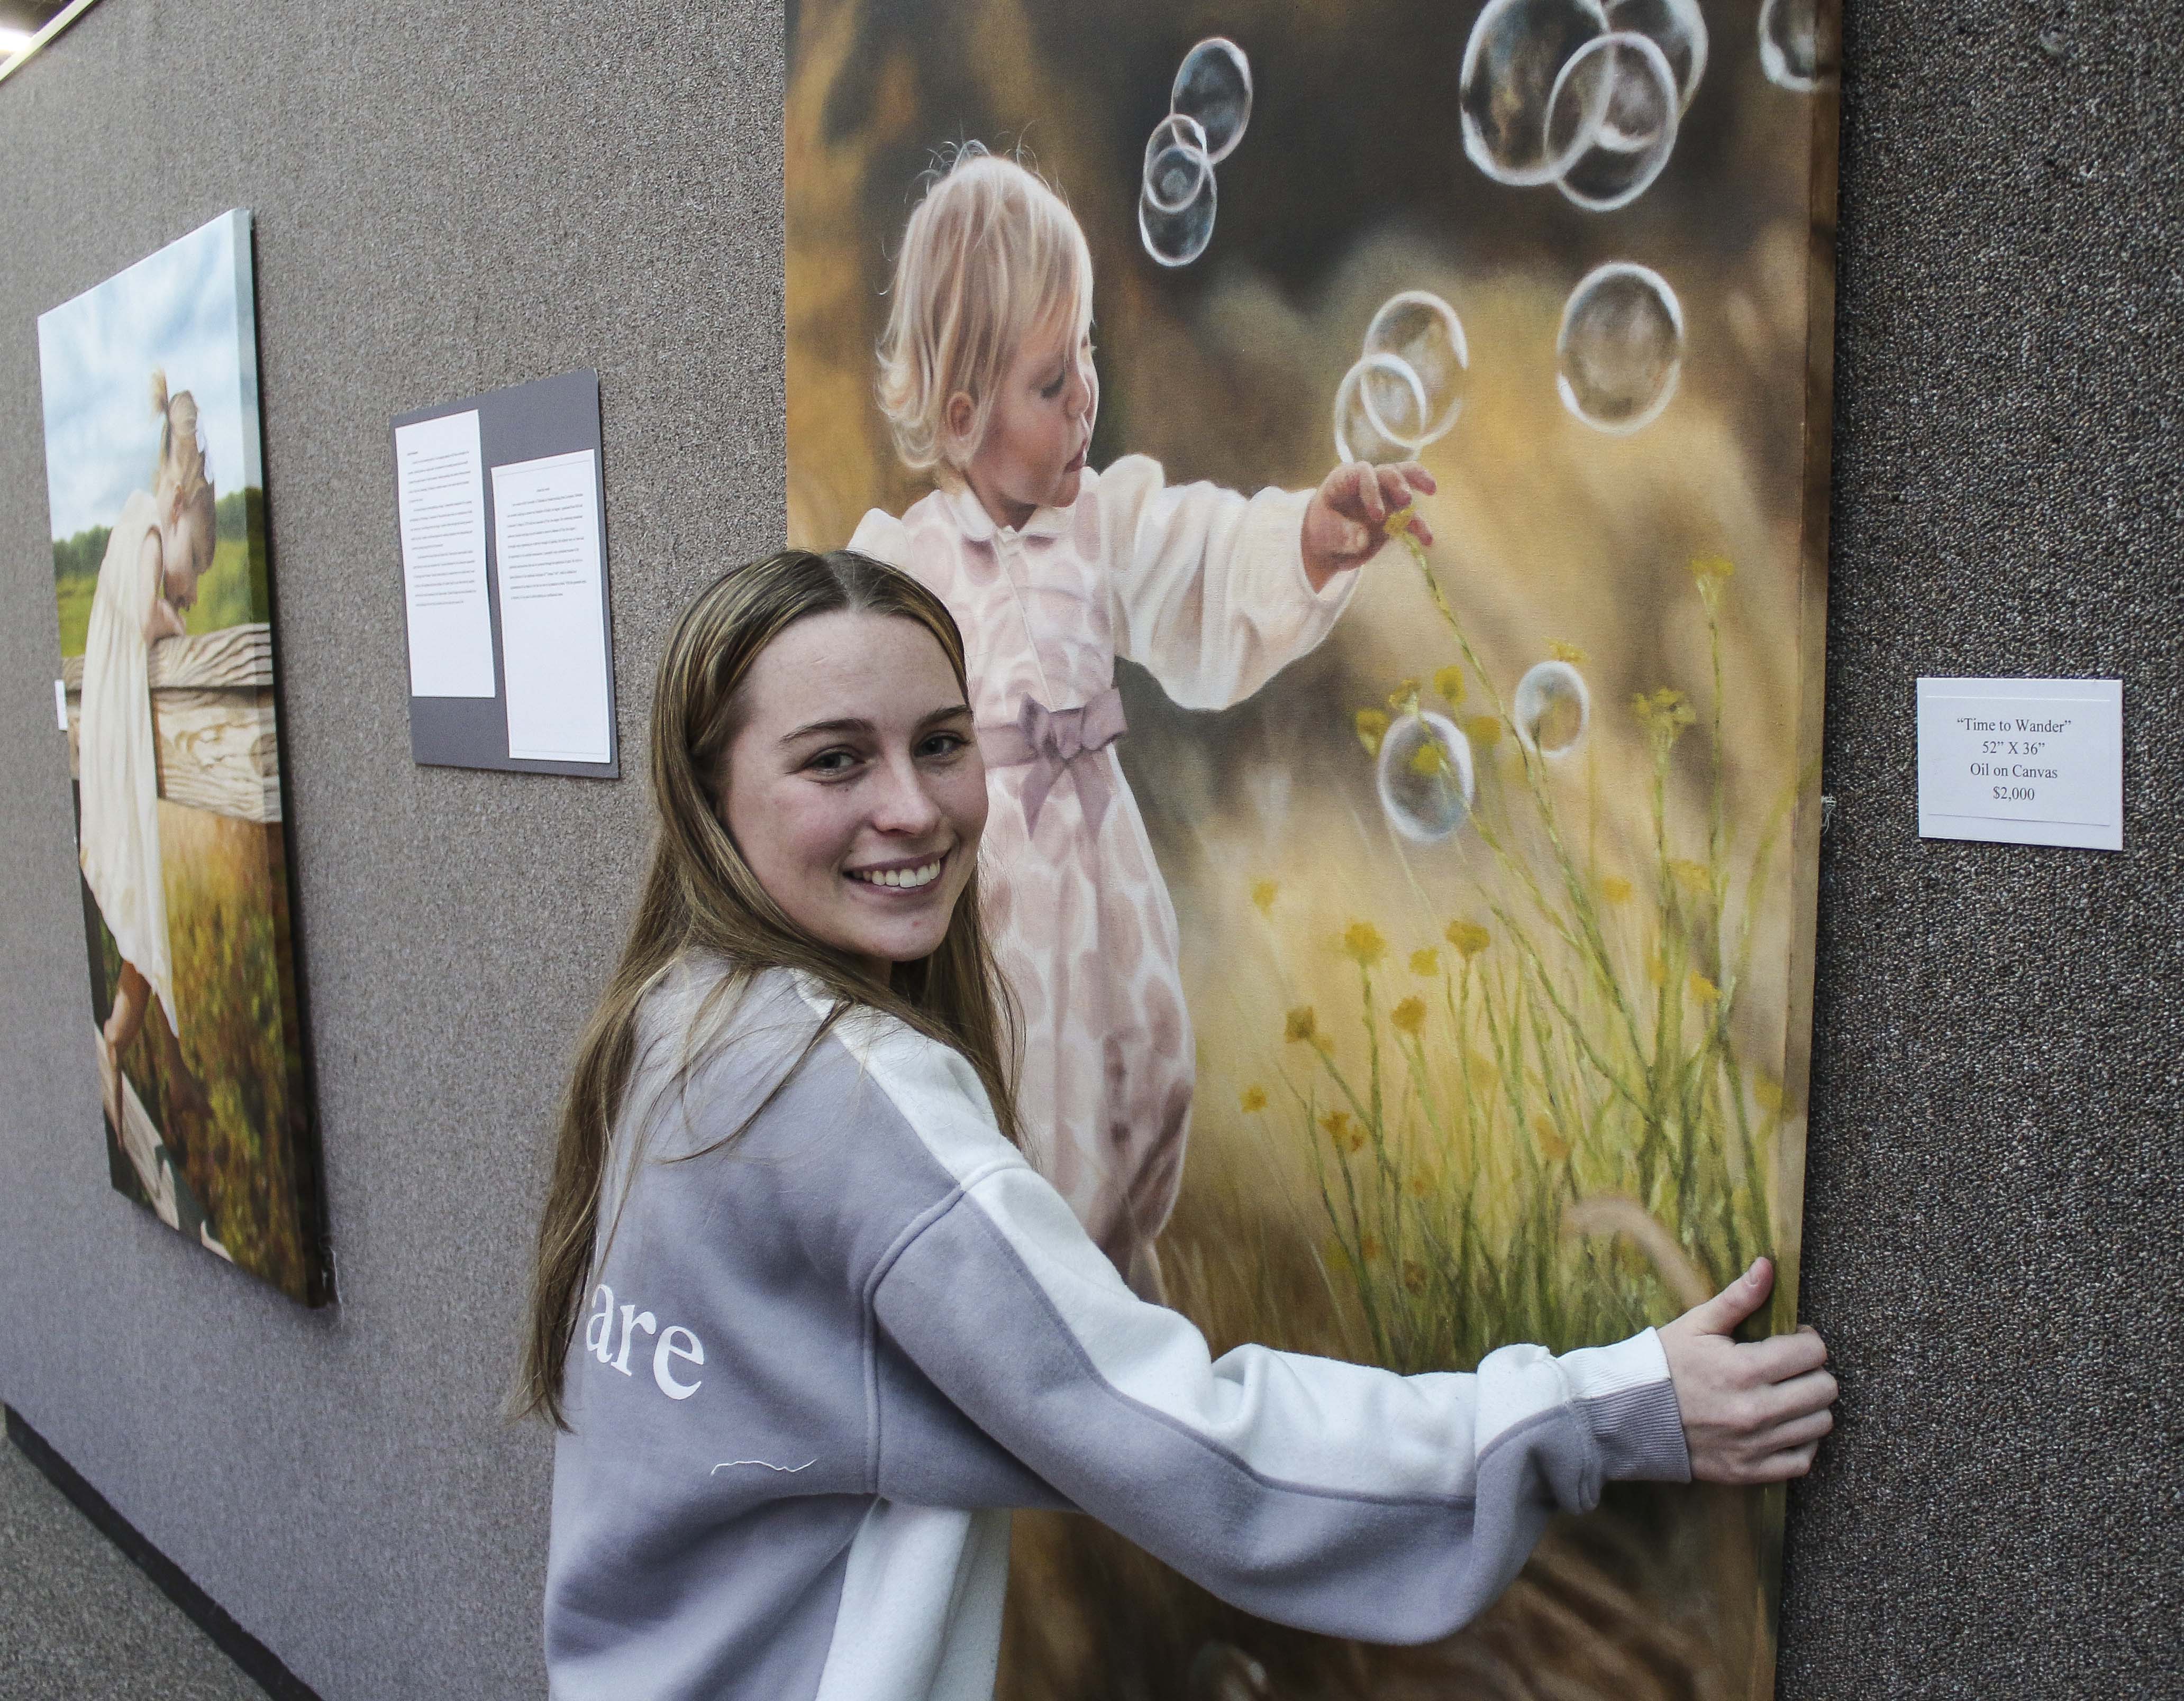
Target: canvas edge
<point x="307" y="1174"/>
<point x="1813" y="531"/>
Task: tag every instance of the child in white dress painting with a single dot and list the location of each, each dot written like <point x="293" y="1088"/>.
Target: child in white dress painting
<point x="1053" y="570"/>
<point x="161" y="545"/>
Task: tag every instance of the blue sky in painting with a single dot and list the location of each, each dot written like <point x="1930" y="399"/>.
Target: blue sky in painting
<point x="177" y="309"/>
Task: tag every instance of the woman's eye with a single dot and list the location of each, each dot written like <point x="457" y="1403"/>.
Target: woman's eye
<point x="943" y="744"/>
<point x="832" y="762"/>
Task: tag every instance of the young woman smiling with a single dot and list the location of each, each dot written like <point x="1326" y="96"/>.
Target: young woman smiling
<point x="810" y="1325"/>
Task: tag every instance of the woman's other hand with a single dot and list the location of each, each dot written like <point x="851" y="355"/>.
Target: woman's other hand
<point x="1346" y="522"/>
<point x="1753" y="1411"/>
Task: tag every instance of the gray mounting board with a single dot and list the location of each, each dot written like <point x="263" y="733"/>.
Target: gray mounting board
<point x="549" y="416"/>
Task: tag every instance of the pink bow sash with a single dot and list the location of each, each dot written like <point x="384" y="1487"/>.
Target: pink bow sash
<point x="1058" y="740"/>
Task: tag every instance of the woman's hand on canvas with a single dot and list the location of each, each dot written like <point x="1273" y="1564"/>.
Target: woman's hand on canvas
<point x="1346" y="523"/>
<point x="1754" y="1411"/>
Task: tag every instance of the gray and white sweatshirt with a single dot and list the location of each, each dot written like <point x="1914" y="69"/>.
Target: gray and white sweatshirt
<point x="819" y="1366"/>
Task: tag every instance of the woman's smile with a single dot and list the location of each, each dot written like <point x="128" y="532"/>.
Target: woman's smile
<point x="908" y="877"/>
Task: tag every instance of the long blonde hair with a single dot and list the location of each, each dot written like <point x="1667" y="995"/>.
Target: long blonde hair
<point x="991" y="255"/>
<point x="701" y="899"/>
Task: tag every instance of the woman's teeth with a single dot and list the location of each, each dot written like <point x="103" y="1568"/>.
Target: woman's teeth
<point x="924" y="875"/>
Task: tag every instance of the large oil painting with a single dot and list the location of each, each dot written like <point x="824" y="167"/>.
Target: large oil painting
<point x="162" y="581"/>
<point x="1402" y="701"/>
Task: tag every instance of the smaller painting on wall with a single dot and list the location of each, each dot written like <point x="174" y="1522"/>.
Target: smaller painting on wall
<point x="154" y="470"/>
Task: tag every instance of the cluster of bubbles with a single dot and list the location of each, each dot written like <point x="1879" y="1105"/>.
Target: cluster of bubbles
<point x="1424" y="772"/>
<point x="1583" y="94"/>
<point x="1620" y="348"/>
<point x="1408" y="385"/>
<point x="1208" y="108"/>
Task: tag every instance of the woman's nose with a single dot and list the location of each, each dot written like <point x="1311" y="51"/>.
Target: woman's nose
<point x="903" y="804"/>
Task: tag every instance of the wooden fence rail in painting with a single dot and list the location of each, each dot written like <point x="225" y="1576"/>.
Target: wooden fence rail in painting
<point x="212" y="721"/>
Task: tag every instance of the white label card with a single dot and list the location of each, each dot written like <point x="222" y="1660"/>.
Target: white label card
<point x="553" y="617"/>
<point x="2022" y="761"/>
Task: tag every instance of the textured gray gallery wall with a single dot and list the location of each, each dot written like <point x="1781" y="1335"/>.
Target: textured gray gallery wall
<point x="448" y="199"/>
<point x="1992" y="1235"/>
<point x="453" y="198"/>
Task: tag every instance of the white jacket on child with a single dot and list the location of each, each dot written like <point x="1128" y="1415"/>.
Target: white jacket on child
<point x="1205" y="589"/>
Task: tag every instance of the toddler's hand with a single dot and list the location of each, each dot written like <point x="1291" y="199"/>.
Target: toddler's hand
<point x="1345" y="525"/>
<point x="1753" y="1411"/>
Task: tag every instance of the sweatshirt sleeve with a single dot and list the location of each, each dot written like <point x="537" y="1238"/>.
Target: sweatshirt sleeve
<point x="1329" y="1495"/>
<point x="1209" y="587"/>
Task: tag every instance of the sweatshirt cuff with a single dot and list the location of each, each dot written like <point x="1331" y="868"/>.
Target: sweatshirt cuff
<point x="1626" y="1395"/>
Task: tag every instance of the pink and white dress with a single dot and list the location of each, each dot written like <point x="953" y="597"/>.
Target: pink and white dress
<point x="1204" y="588"/>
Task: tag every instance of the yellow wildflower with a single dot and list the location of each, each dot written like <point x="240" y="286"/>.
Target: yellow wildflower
<point x="1404" y="698"/>
<point x="1482" y="1068"/>
<point x="1657" y="968"/>
<point x="1253" y="1098"/>
<point x="1692" y="876"/>
<point x="1664" y="713"/>
<point x="1361" y="940"/>
<point x="1468" y="937"/>
<point x="1425" y="961"/>
<point x="1370" y="1247"/>
<point x="1421" y="1185"/>
<point x="1449" y="682"/>
<point x="1371" y="728"/>
<point x="1428" y="759"/>
<point x="1768" y="1092"/>
<point x="1338" y="1255"/>
<point x="1409" y="1016"/>
<point x="1702" y="989"/>
<point x="1552" y="1146"/>
<point x="1484" y="729"/>
<point x="1337" y="1126"/>
<point x="1566" y="652"/>
<point x="1615" y="889"/>
<point x="1414" y="1276"/>
<point x="1707" y="573"/>
<point x="1264" y="893"/>
<point x="1302" y="1024"/>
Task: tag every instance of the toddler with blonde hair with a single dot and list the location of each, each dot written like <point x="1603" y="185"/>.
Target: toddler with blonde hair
<point x="1053" y="570"/>
<point x="161" y="545"/>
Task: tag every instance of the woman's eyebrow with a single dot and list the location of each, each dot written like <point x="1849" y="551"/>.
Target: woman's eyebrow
<point x="831" y="727"/>
<point x="852" y="727"/>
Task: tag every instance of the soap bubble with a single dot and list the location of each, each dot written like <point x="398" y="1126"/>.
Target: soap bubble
<point x="1621" y="346"/>
<point x="1214" y="87"/>
<point x="1425" y="777"/>
<point x="1677" y="29"/>
<point x="1379" y="412"/>
<point x="1552" y="709"/>
<point x="1421" y="331"/>
<point x="1176" y="165"/>
<point x="1517" y="50"/>
<point x="1791" y="49"/>
<point x="1177" y="237"/>
<point x="1614" y="112"/>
